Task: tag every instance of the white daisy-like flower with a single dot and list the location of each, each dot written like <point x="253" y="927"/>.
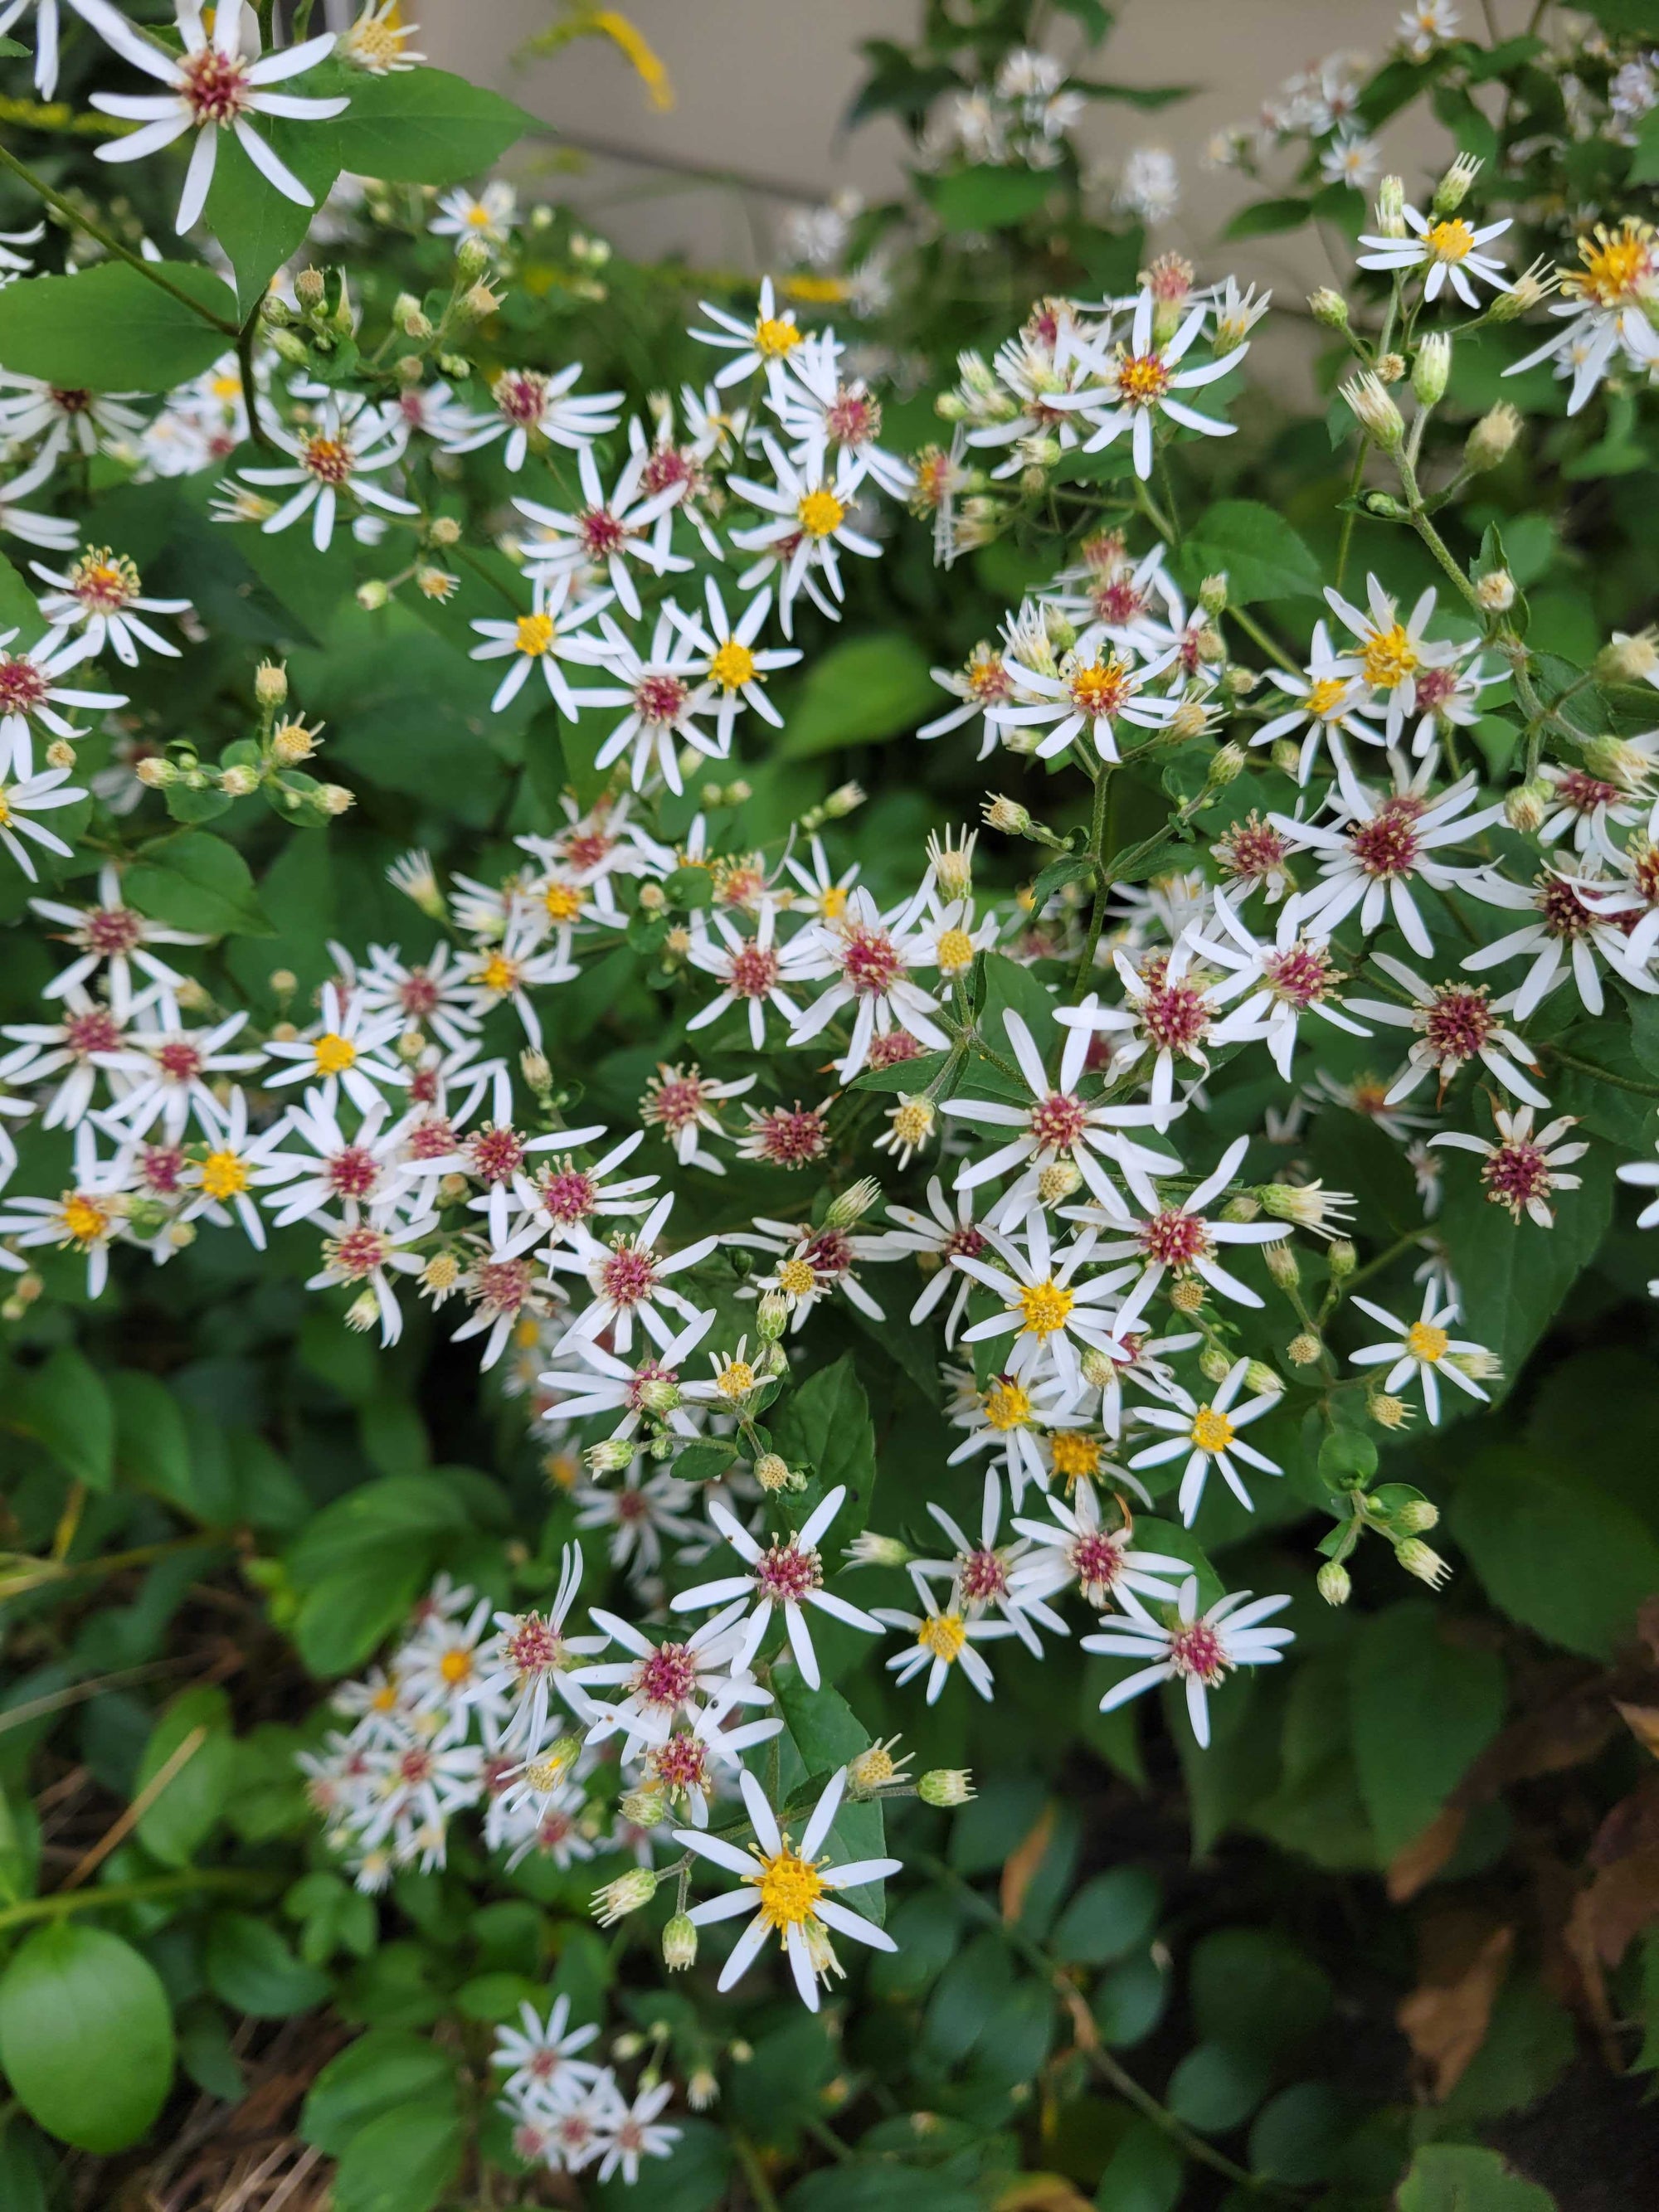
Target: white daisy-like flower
<point x="1197" y="1649"/>
<point x="640" y="1511"/>
<point x="87" y="1040"/>
<point x="1047" y="1311"/>
<point x="211" y="87"/>
<point x="535" y="1660"/>
<point x="90" y="1215"/>
<point x="375" y="40"/>
<point x="102" y="597"/>
<point x="541" y="2055"/>
<point x="28" y="796"/>
<point x="1520" y="1168"/>
<point x="364" y="1170"/>
<point x="1455" y="1024"/>
<point x="770" y="338"/>
<point x="983" y="683"/>
<point x="52" y="533"/>
<point x="349" y="441"/>
<point x="1098" y="688"/>
<point x="61" y="416"/>
<point x="752" y="971"/>
<point x="542" y="638"/>
<point x="1058" y="1128"/>
<point x="1565" y="937"/>
<point x="1644" y="1175"/>
<point x="683" y="1102"/>
<point x="171" y="1073"/>
<point x="820" y="408"/>
<point x="1392" y="658"/>
<point x="943" y="1638"/>
<point x="563" y="1198"/>
<point x="1426" y="1348"/>
<point x="605" y="534"/>
<point x="489" y="215"/>
<point x="665" y="1678"/>
<point x="733" y="671"/>
<point x="633" y="2131"/>
<point x="665" y="696"/>
<point x="867" y="957"/>
<point x="935" y="1237"/>
<point x="1604" y="303"/>
<point x="1009" y="1417"/>
<point x="984" y="1576"/>
<point x="786" y="1576"/>
<point x="1175" y="1237"/>
<point x="812" y="508"/>
<point x="367" y="1254"/>
<point x="1292" y="976"/>
<point x="1208" y="1435"/>
<point x="110" y="933"/>
<point x="791" y="1893"/>
<point x="1330" y="704"/>
<point x="1350" y="158"/>
<point x="346" y="1047"/>
<point x="533" y="407"/>
<point x="628" y="1279"/>
<point x="1076" y="1549"/>
<point x="506" y="974"/>
<point x="603" y="1385"/>
<point x="812" y="1263"/>
<point x="1447" y="247"/>
<point x="1591" y="808"/>
<point x="1139" y="381"/>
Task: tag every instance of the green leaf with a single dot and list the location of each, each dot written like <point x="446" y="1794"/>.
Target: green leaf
<point x="1144" y="2173"/>
<point x="1216" y="2086"/>
<point x="86" y="2038"/>
<point x="258" y="226"/>
<point x="384" y="2071"/>
<point x="197" y="882"/>
<point x="1461" y="2177"/>
<point x="423" y="126"/>
<point x="351" y="1533"/>
<point x="192" y="1801"/>
<point x="823" y="1726"/>
<point x="859" y="691"/>
<point x="19" y="608"/>
<point x="403" y="2161"/>
<point x="826" y="1425"/>
<point x="65" y="1406"/>
<point x="1253" y="1988"/>
<point x="1260" y="553"/>
<point x="344" y="1616"/>
<point x="152" y="1445"/>
<point x="1644" y="164"/>
<point x="111" y="330"/>
<point x="903" y="1075"/>
<point x="252" y="1970"/>
<point x="704" y="1461"/>
<point x="1553" y="1553"/>
<point x="1514" y="1277"/>
<point x="1110" y="1915"/>
<point x="988" y="198"/>
<point x="1423" y="1707"/>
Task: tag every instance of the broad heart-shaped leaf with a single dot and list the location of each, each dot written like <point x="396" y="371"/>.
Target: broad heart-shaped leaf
<point x="401" y="2161"/>
<point x="823" y="1726"/>
<point x="423" y="126"/>
<point x="152" y="1443"/>
<point x="860" y="690"/>
<point x="826" y="1424"/>
<point x="1463" y="2178"/>
<point x="1260" y="553"/>
<point x="63" y="1405"/>
<point x="186" y="1809"/>
<point x="986" y="198"/>
<point x="1553" y="1552"/>
<point x="258" y="225"/>
<point x="86" y="2038"/>
<point x="1512" y="1277"/>
<point x="197" y="881"/>
<point x="110" y="328"/>
<point x="1423" y="1707"/>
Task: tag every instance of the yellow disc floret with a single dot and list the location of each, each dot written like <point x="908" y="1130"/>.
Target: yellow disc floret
<point x="1425" y="1341"/>
<point x="1045" y="1307"/>
<point x="789" y="1887"/>
<point x="1389" y="657"/>
<point x="333" y="1053"/>
<point x="732" y="666"/>
<point x="535" y="634"/>
<point x="943" y="1635"/>
<point x="1212" y="1431"/>
<point x="223" y="1174"/>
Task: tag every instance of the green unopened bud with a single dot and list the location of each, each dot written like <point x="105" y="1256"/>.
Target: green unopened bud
<point x="1286" y="754"/>
<point x="1262" y="1381"/>
<point x="852" y="1205"/>
<point x="1343" y="1259"/>
<point x="1453" y="189"/>
<point x="1375" y="411"/>
<point x="1227" y="764"/>
<point x="1491" y="438"/>
<point x="333" y="799"/>
<point x="270" y="684"/>
<point x="679" y="1943"/>
<point x="291" y="348"/>
<point x="309" y="287"/>
<point x="615" y="1900"/>
<point x="1495" y="591"/>
<point x="1385" y="506"/>
<point x="867" y="1549"/>
<point x="1213" y="596"/>
<point x="1335" y="1585"/>
<point x="1214" y="1364"/>
<point x="773" y="1315"/>
<point x="660" y="1396"/>
<point x="1526" y="806"/>
<point x="644" y="1808"/>
<point x="1328" y="307"/>
<point x="472" y="257"/>
<point x="946" y="1786"/>
<point x="239" y="780"/>
<point x="1391" y="207"/>
<point x="1422" y="1561"/>
<point x="1242" y="1207"/>
<point x="373" y="593"/>
<point x="846" y="799"/>
<point x="1431" y="369"/>
<point x="1631" y="657"/>
<point x="611" y="1455"/>
<point x="1417" y="1518"/>
<point x="1282" y="1265"/>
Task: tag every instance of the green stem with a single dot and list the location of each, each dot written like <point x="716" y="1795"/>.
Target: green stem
<point x="1100" y="832"/>
<point x="1401" y="1245"/>
<point x="79" y="221"/>
<point x="1601" y="1074"/>
<point x="1252" y="629"/>
<point x="245" y="338"/>
<point x="116" y="1893"/>
<point x="754" y="2174"/>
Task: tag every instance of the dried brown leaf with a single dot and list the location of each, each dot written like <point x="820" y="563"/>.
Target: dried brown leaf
<point x="1413" y="1869"/>
<point x="1445" y="2020"/>
<point x="1022" y="1863"/>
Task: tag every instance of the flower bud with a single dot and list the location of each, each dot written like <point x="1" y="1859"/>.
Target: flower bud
<point x="1328" y="307"/>
<point x="1286" y="754"/>
<point x="846" y="799"/>
<point x="1493" y="436"/>
<point x="771" y="1472"/>
<point x="270" y="684"/>
<point x="702" y="2089"/>
<point x="1226" y="765"/>
<point x="1388" y="1411"/>
<point x="615" y="1900"/>
<point x="1190" y="720"/>
<point x="1431" y="370"/>
<point x="373" y="593"/>
<point x="1495" y="591"/>
<point x="1244" y="1207"/>
<point x="481" y="302"/>
<point x="852" y="1205"/>
<point x="1304" y="1351"/>
<point x="472" y="258"/>
<point x="1421" y="1560"/>
<point x="1007" y="814"/>
<point x="1375" y="411"/>
<point x="363" y="1312"/>
<point x="1309" y="1205"/>
<point x="1453" y="189"/>
<point x="293" y="743"/>
<point x="1391" y="207"/>
<point x="1612" y="760"/>
<point x="1631" y="657"/>
<point x="643" y="1808"/>
<point x="679" y="1943"/>
<point x="946" y="1786"/>
<point x="1262" y="1381"/>
<point x="1282" y="1264"/>
<point x="1213" y="596"/>
<point x="239" y="780"/>
<point x="1525" y="807"/>
<point x="1416" y="1518"/>
<point x="309" y="287"/>
<point x="611" y="1455"/>
<point x="1334" y="1586"/>
<point x="867" y="1549"/>
<point x="291" y="347"/>
<point x="872" y="1770"/>
<point x="154" y="772"/>
<point x="333" y="799"/>
<point x="441" y="1275"/>
<point x="60" y="753"/>
<point x="773" y="1315"/>
<point x="1391" y="368"/>
<point x="1214" y="1364"/>
<point x="1343" y="1259"/>
<point x="436" y="584"/>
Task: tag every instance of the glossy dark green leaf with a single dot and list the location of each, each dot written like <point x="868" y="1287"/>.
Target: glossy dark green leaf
<point x="1463" y="2178"/>
<point x="65" y="1406"/>
<point x="858" y="691"/>
<point x="197" y="881"/>
<point x="1255" y="549"/>
<point x="386" y="2070"/>
<point x="423" y="126"/>
<point x="1425" y="1703"/>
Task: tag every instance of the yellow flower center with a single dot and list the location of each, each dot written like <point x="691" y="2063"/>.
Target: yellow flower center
<point x="1451" y="241"/>
<point x="385" y="1698"/>
<point x="226" y="388"/>
<point x="84" y="1219"/>
<point x="1212" y="1431"/>
<point x="833" y="904"/>
<point x="820" y="512"/>
<point x="1389" y="658"/>
<point x="956" y="952"/>
<point x="5" y="811"/>
<point x="1006" y="1407"/>
<point x="1101" y="689"/>
<point x="1141" y="377"/>
<point x="526" y="1334"/>
<point x="223" y="1176"/>
<point x="455" y="1666"/>
<point x="498" y="973"/>
<point x="1325" y="697"/>
<point x="563" y="901"/>
<point x="333" y="1053"/>
<point x="477" y="217"/>
<point x="736" y="1379"/>
<point x="912" y="1122"/>
<point x="789" y="1887"/>
<point x="1425" y="1341"/>
<point x="535" y="634"/>
<point x="943" y="1635"/>
<point x="1615" y="265"/>
<point x="775" y="336"/>
<point x="1074" y="1453"/>
<point x="732" y="666"/>
<point x="1045" y="1307"/>
<point x="796" y="1279"/>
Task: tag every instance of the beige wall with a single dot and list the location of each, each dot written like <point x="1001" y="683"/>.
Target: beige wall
<point x="763" y="86"/>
